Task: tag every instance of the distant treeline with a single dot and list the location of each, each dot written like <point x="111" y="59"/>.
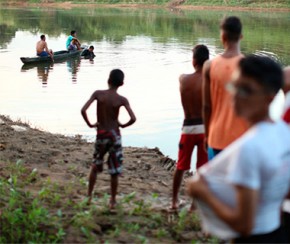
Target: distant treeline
<point x="225" y="3"/>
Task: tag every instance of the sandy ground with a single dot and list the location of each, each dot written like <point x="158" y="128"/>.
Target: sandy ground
<point x="61" y="158"/>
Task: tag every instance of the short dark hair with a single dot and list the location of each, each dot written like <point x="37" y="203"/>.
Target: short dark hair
<point x="42" y="37"/>
<point x="91" y="47"/>
<point x="232" y="27"/>
<point x="72" y="32"/>
<point x="264" y="70"/>
<point x="116" y="77"/>
<point x="200" y="54"/>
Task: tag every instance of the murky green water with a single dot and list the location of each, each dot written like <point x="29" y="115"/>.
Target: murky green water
<point x="152" y="47"/>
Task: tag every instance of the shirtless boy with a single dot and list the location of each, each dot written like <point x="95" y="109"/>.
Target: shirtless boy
<point x="193" y="129"/>
<point x="42" y="49"/>
<point x="108" y="138"/>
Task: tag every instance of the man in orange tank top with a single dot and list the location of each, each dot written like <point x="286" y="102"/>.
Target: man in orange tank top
<point x="222" y="125"/>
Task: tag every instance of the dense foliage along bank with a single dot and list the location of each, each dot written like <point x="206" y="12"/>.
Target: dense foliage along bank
<point x="220" y="3"/>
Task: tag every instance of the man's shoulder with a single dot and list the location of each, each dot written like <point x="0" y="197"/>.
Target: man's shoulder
<point x="190" y="78"/>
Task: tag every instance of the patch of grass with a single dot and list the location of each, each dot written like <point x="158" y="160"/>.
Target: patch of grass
<point x="48" y="213"/>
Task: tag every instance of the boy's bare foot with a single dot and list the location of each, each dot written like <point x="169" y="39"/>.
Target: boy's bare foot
<point x="175" y="206"/>
<point x="112" y="204"/>
<point x="89" y="200"/>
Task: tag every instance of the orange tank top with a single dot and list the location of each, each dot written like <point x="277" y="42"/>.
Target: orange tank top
<point x="224" y="125"/>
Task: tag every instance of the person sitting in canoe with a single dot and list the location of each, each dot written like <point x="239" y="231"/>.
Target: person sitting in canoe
<point x="73" y="45"/>
<point x="88" y="53"/>
<point x="42" y="49"/>
<point x="73" y="35"/>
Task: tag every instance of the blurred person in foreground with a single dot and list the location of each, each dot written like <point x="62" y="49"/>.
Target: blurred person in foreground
<point x="286" y="118"/>
<point x="257" y="164"/>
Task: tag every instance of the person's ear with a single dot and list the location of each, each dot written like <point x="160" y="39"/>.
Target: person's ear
<point x="223" y="37"/>
<point x="193" y="62"/>
<point x="241" y="36"/>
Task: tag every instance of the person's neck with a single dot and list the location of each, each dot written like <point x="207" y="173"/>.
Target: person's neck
<point x="231" y="50"/>
<point x="258" y="119"/>
<point x="112" y="88"/>
<point x="198" y="69"/>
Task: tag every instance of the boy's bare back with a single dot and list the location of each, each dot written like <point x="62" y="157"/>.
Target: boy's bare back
<point x="190" y="91"/>
<point x="109" y="103"/>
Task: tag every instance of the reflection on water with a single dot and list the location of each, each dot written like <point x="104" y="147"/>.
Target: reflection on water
<point x="73" y="66"/>
<point x="152" y="47"/>
<point x="42" y="71"/>
<point x="44" y="68"/>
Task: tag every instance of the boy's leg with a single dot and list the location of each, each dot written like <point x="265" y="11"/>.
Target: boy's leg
<point x="95" y="168"/>
<point x="177" y="179"/>
<point x="114" y="187"/>
<point x="186" y="145"/>
<point x="202" y="157"/>
<point x="92" y="180"/>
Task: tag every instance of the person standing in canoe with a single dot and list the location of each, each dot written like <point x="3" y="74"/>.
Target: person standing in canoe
<point x="42" y="49"/>
<point x="73" y="36"/>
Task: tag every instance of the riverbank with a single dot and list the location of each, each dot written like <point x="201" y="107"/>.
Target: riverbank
<point x="272" y="6"/>
<point x="43" y="185"/>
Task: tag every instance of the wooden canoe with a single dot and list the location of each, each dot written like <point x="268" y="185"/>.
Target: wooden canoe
<point x="59" y="55"/>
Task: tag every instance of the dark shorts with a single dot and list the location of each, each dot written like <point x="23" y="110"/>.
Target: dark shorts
<point x="109" y="142"/>
<point x="42" y="54"/>
<point x="276" y="236"/>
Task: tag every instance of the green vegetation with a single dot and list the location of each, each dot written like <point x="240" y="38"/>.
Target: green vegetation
<point x="224" y="3"/>
<point x="263" y="31"/>
<point x="34" y="210"/>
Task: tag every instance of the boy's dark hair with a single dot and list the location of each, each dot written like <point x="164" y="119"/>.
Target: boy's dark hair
<point x="42" y="37"/>
<point x="264" y="70"/>
<point x="232" y="28"/>
<point x="200" y="54"/>
<point x="91" y="47"/>
<point x="116" y="77"/>
<point x="72" y="32"/>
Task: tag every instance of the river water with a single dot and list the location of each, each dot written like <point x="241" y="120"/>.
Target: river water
<point x="152" y="47"/>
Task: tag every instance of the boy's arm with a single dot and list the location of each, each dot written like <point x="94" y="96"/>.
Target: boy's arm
<point x="239" y="218"/>
<point x="206" y="99"/>
<point x="85" y="107"/>
<point x="45" y="47"/>
<point x="131" y="114"/>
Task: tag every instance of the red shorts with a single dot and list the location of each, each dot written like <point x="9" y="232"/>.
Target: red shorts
<point x="187" y="143"/>
<point x="286" y="116"/>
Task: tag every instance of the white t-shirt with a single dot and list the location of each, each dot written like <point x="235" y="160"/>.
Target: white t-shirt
<point x="259" y="160"/>
<point x="287" y="102"/>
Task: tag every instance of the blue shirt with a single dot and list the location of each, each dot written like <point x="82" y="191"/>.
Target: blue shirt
<point x="68" y="41"/>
